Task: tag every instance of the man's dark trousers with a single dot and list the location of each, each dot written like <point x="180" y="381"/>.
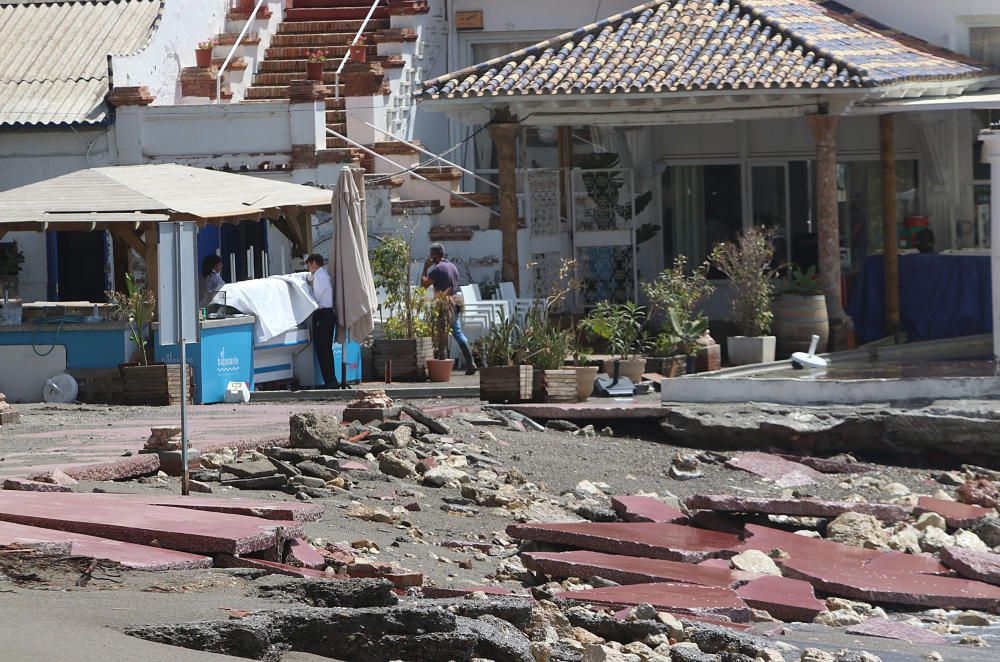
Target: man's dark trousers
<point x="324" y="320"/>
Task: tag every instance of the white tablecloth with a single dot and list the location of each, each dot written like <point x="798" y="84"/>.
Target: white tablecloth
<point x="279" y="303"/>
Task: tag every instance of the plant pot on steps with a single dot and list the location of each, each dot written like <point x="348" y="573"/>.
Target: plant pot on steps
<point x="554" y="386"/>
<point x="439" y="370"/>
<point x="359" y="53"/>
<point x="631" y="368"/>
<point x="749" y="350"/>
<point x="586" y="375"/>
<point x="407" y="359"/>
<point x="203" y="57"/>
<point x="501" y="384"/>
<point x="314" y="71"/>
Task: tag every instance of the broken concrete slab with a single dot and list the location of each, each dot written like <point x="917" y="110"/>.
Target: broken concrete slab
<point x="783" y="598"/>
<point x="772" y="467"/>
<point x="273" y="567"/>
<point x="886" y="629"/>
<point x="831" y="465"/>
<point x="901" y="562"/>
<point x="261" y="483"/>
<point x="128" y="521"/>
<point x="140" y="557"/>
<point x="655" y="540"/>
<point x="325" y="593"/>
<point x="301" y="553"/>
<point x="625" y="569"/>
<point x="766" y="539"/>
<point x="674" y="598"/>
<point x="732" y="503"/>
<point x="981" y="566"/>
<point x="645" y="509"/>
<point x="956" y="515"/>
<point x="263" y="508"/>
<point x="846" y="579"/>
<point x="420" y="416"/>
<point x="25" y="485"/>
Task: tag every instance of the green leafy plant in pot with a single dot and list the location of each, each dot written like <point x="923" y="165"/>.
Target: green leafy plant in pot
<point x="441" y="316"/>
<point x="746" y="262"/>
<point x="673" y="297"/>
<point x="135" y="306"/>
<point x="622" y="326"/>
<point x="800" y="313"/>
<point x="407" y="343"/>
<point x="505" y="376"/>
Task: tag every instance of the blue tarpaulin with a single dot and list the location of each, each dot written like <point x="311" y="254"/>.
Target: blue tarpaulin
<point x="940" y="296"/>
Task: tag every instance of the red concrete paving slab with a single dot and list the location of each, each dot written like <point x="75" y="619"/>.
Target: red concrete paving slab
<point x="140" y="557"/>
<point x="829" y="465"/>
<point x="785" y="599"/>
<point x="886" y="586"/>
<point x="301" y="553"/>
<point x="125" y="520"/>
<point x="675" y="598"/>
<point x="655" y="540"/>
<point x="765" y="539"/>
<point x="645" y="509"/>
<point x="626" y="569"/>
<point x="886" y="629"/>
<point x="592" y="411"/>
<point x="957" y="515"/>
<point x="230" y="561"/>
<point x="915" y="563"/>
<point x="450" y="592"/>
<point x="772" y="467"/>
<point x="739" y="576"/>
<point x="981" y="566"/>
<point x="295" y="511"/>
<point x="25" y="485"/>
<point x="731" y="503"/>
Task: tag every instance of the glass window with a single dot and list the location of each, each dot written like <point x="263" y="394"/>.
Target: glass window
<point x="984" y="43"/>
<point x="702" y="205"/>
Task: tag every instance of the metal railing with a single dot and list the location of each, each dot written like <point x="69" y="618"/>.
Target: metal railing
<point x="232" y="51"/>
<point x="347" y="55"/>
<point x="436" y="157"/>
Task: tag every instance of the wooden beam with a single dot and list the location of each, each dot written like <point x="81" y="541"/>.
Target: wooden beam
<point x="152" y="255"/>
<point x="129" y="236"/>
<point x="305" y="231"/>
<point x="887" y="154"/>
<point x="505" y="133"/>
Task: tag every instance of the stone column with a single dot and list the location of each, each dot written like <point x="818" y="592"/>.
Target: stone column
<point x="991" y="153"/>
<point x="505" y="135"/>
<point x="824" y="130"/>
<point x="887" y="151"/>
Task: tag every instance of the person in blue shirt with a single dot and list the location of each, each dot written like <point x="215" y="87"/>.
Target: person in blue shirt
<point x="211" y="279"/>
<point x="442" y="275"/>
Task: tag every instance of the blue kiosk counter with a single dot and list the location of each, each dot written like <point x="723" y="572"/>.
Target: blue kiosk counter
<point x="223" y="354"/>
<point x="88" y="345"/>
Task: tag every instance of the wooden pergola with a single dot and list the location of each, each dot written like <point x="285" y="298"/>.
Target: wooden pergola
<point x="131" y="201"/>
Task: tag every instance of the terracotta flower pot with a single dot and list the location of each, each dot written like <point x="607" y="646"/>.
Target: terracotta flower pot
<point x="203" y="57"/>
<point x="359" y="53"/>
<point x="246" y="6"/>
<point x="439" y="370"/>
<point x="314" y="70"/>
<point x="586" y="375"/>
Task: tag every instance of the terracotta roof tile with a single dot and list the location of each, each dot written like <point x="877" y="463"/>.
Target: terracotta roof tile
<point x="686" y="45"/>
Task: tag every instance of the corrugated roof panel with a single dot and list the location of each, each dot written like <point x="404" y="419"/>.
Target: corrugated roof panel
<point x="54" y="67"/>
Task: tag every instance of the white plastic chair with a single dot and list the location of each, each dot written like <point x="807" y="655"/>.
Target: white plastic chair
<point x="520" y="306"/>
<point x="473" y="304"/>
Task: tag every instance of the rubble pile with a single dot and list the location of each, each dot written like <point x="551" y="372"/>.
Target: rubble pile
<point x="8" y="415"/>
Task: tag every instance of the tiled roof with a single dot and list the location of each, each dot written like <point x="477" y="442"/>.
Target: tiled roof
<point x="54" y="60"/>
<point x="686" y="45"/>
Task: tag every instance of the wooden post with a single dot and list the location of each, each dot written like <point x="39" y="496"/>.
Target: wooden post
<point x="887" y="153"/>
<point x="505" y="134"/>
<point x="824" y="130"/>
<point x="565" y="163"/>
<point x="152" y="240"/>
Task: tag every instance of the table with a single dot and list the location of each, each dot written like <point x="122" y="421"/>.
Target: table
<point x="940" y="296"/>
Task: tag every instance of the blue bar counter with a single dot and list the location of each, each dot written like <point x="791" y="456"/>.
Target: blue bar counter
<point x="224" y="354"/>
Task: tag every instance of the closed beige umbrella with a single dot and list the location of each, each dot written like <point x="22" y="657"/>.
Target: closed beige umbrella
<point x="354" y="285"/>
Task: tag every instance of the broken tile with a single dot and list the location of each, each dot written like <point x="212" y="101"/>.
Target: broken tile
<point x="626" y="569"/>
<point x="645" y="509"/>
<point x="956" y="515"/>
<point x="843" y="578"/>
<point x="672" y="542"/>
<point x="981" y="566"/>
<point x="886" y="629"/>
<point x="674" y="598"/>
<point x="900" y="562"/>
<point x="230" y="561"/>
<point x="785" y="599"/>
<point x="798" y="507"/>
<point x="766" y="539"/>
<point x="783" y="472"/>
<point x="830" y="465"/>
<point x="277" y="510"/>
<point x="301" y="553"/>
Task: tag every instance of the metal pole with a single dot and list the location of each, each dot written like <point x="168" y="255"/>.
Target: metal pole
<point x="232" y="267"/>
<point x="185" y="477"/>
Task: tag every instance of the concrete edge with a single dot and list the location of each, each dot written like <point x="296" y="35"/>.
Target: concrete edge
<point x="346" y="395"/>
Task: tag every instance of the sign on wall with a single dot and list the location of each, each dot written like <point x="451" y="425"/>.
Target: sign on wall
<point x="469" y="20"/>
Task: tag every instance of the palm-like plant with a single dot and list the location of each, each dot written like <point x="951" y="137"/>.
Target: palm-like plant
<point x="135" y="306"/>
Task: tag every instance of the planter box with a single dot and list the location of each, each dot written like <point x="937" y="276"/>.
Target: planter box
<point x="100" y="386"/>
<point x="408" y="357"/>
<point x="749" y="350"/>
<point x="553" y="386"/>
<point x="506" y="383"/>
<point x="709" y="359"/>
<point x="668" y="366"/>
<point x="156" y="384"/>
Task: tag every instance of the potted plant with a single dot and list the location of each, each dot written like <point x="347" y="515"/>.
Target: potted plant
<point x="315" y="61"/>
<point x="11" y="263"/>
<point x="203" y="54"/>
<point x="800" y="313"/>
<point x="359" y="52"/>
<point x="746" y="262"/>
<point x="622" y="326"/>
<point x="404" y="351"/>
<point x="545" y="349"/>
<point x="143" y="381"/>
<point x="505" y="375"/>
<point x="673" y="296"/>
<point x="586" y="374"/>
<point x="442" y="316"/>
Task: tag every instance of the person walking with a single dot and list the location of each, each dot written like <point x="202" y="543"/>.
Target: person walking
<point x="324" y="319"/>
<point x="442" y="275"/>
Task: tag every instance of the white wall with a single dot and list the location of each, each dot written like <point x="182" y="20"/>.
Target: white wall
<point x="941" y="23"/>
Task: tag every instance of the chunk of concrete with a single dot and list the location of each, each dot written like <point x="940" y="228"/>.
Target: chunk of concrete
<point x="981" y="566"/>
<point x="732" y="503"/>
<point x="886" y="629"/>
<point x="777" y="469"/>
<point x="785" y="599"/>
<point x="645" y="509"/>
<point x="249" y="469"/>
<point x="956" y="515"/>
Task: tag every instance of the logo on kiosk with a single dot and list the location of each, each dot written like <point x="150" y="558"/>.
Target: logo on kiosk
<point x="227" y="364"/>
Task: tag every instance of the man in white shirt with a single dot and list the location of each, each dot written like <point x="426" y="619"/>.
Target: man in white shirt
<point x="324" y="318"/>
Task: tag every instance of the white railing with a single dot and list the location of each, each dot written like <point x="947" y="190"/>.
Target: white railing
<point x="347" y="55"/>
<point x="232" y="51"/>
<point x="436" y="157"/>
